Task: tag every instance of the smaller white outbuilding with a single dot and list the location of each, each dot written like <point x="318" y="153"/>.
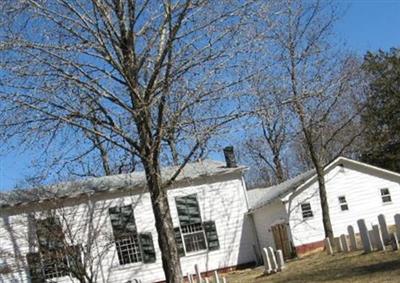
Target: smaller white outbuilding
<point x="288" y="216"/>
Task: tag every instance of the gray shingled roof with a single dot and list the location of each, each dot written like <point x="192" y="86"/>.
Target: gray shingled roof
<point x="136" y="180"/>
<point x="263" y="196"/>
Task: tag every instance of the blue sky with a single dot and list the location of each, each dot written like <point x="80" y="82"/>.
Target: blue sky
<point x="367" y="25"/>
<point x="370" y="24"/>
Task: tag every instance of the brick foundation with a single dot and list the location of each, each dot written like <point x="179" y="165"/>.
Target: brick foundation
<point x="221" y="270"/>
<point x="310" y="247"/>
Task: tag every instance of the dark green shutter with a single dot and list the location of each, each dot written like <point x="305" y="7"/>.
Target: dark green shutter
<point x="179" y="242"/>
<point x="122" y="221"/>
<point x="146" y="242"/>
<point x="75" y="259"/>
<point x="50" y="234"/>
<point x="35" y="268"/>
<point x="188" y="210"/>
<point x="211" y="235"/>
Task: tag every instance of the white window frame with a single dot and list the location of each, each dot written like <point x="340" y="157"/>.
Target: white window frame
<point x="129" y="242"/>
<point x="344" y="206"/>
<point x="385" y="196"/>
<point x="188" y="233"/>
<point x="306" y="211"/>
<point x="131" y="245"/>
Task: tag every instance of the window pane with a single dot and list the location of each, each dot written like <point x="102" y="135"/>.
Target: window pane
<point x="344" y="207"/>
<point x="128" y="250"/>
<point x="384" y="191"/>
<point x="342" y="199"/>
<point x="195" y="242"/>
<point x="55" y="265"/>
<point x="306" y="210"/>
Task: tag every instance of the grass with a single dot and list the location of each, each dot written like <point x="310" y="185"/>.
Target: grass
<point x="351" y="267"/>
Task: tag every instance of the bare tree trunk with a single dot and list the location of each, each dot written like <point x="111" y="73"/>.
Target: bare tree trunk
<point x="104" y="156"/>
<point x="174" y="152"/>
<point x="164" y="226"/>
<point x="279" y="174"/>
<point x="319" y="168"/>
<point x="326" y="219"/>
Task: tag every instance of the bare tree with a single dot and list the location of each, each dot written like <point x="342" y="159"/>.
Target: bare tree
<point x="67" y="236"/>
<point x="271" y="133"/>
<point x="318" y="80"/>
<point x="125" y="78"/>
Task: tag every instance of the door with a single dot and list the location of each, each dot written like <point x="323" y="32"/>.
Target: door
<point x="281" y="238"/>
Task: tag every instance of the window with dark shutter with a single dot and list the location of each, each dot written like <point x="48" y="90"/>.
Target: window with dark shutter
<point x="131" y="246"/>
<point x="74" y="258"/>
<point x="192" y="235"/>
<point x="211" y="235"/>
<point x="35" y="267"/>
<point x="146" y="242"/>
<point x="52" y="248"/>
<point x="125" y="234"/>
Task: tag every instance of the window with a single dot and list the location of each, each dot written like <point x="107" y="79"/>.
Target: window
<point x="51" y="243"/>
<point x="54" y="258"/>
<point x="55" y="265"/>
<point x="385" y="194"/>
<point x="343" y="203"/>
<point x="128" y="250"/>
<point x="190" y="223"/>
<point x="194" y="237"/>
<point x="131" y="246"/>
<point x="193" y="234"/>
<point x="306" y="210"/>
<point x="125" y="235"/>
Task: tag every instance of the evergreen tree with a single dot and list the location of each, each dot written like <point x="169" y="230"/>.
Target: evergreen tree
<point x="382" y="113"/>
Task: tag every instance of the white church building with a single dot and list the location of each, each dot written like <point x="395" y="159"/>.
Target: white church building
<point x="107" y="223"/>
<point x="105" y="226"/>
<point x="288" y="216"/>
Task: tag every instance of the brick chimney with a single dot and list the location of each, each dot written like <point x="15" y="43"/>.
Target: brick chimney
<point x="230" y="158"/>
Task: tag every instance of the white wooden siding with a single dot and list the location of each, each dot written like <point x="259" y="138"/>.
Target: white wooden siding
<point x="361" y="187"/>
<point x="267" y="216"/>
<point x="221" y="199"/>
<point x="308" y="230"/>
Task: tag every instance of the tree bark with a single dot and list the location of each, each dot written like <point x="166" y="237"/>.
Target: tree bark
<point x="279" y="175"/>
<point x="326" y="219"/>
<point x="164" y="226"/>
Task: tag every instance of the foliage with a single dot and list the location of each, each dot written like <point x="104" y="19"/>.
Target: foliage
<point x="382" y="115"/>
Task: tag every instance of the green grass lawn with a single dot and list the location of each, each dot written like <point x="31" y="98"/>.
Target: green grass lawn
<point x="352" y="267"/>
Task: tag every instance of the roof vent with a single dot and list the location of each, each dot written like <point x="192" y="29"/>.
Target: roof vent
<point x="230" y="158"/>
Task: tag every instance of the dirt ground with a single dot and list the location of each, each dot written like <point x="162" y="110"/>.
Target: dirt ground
<point x="352" y="267"/>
